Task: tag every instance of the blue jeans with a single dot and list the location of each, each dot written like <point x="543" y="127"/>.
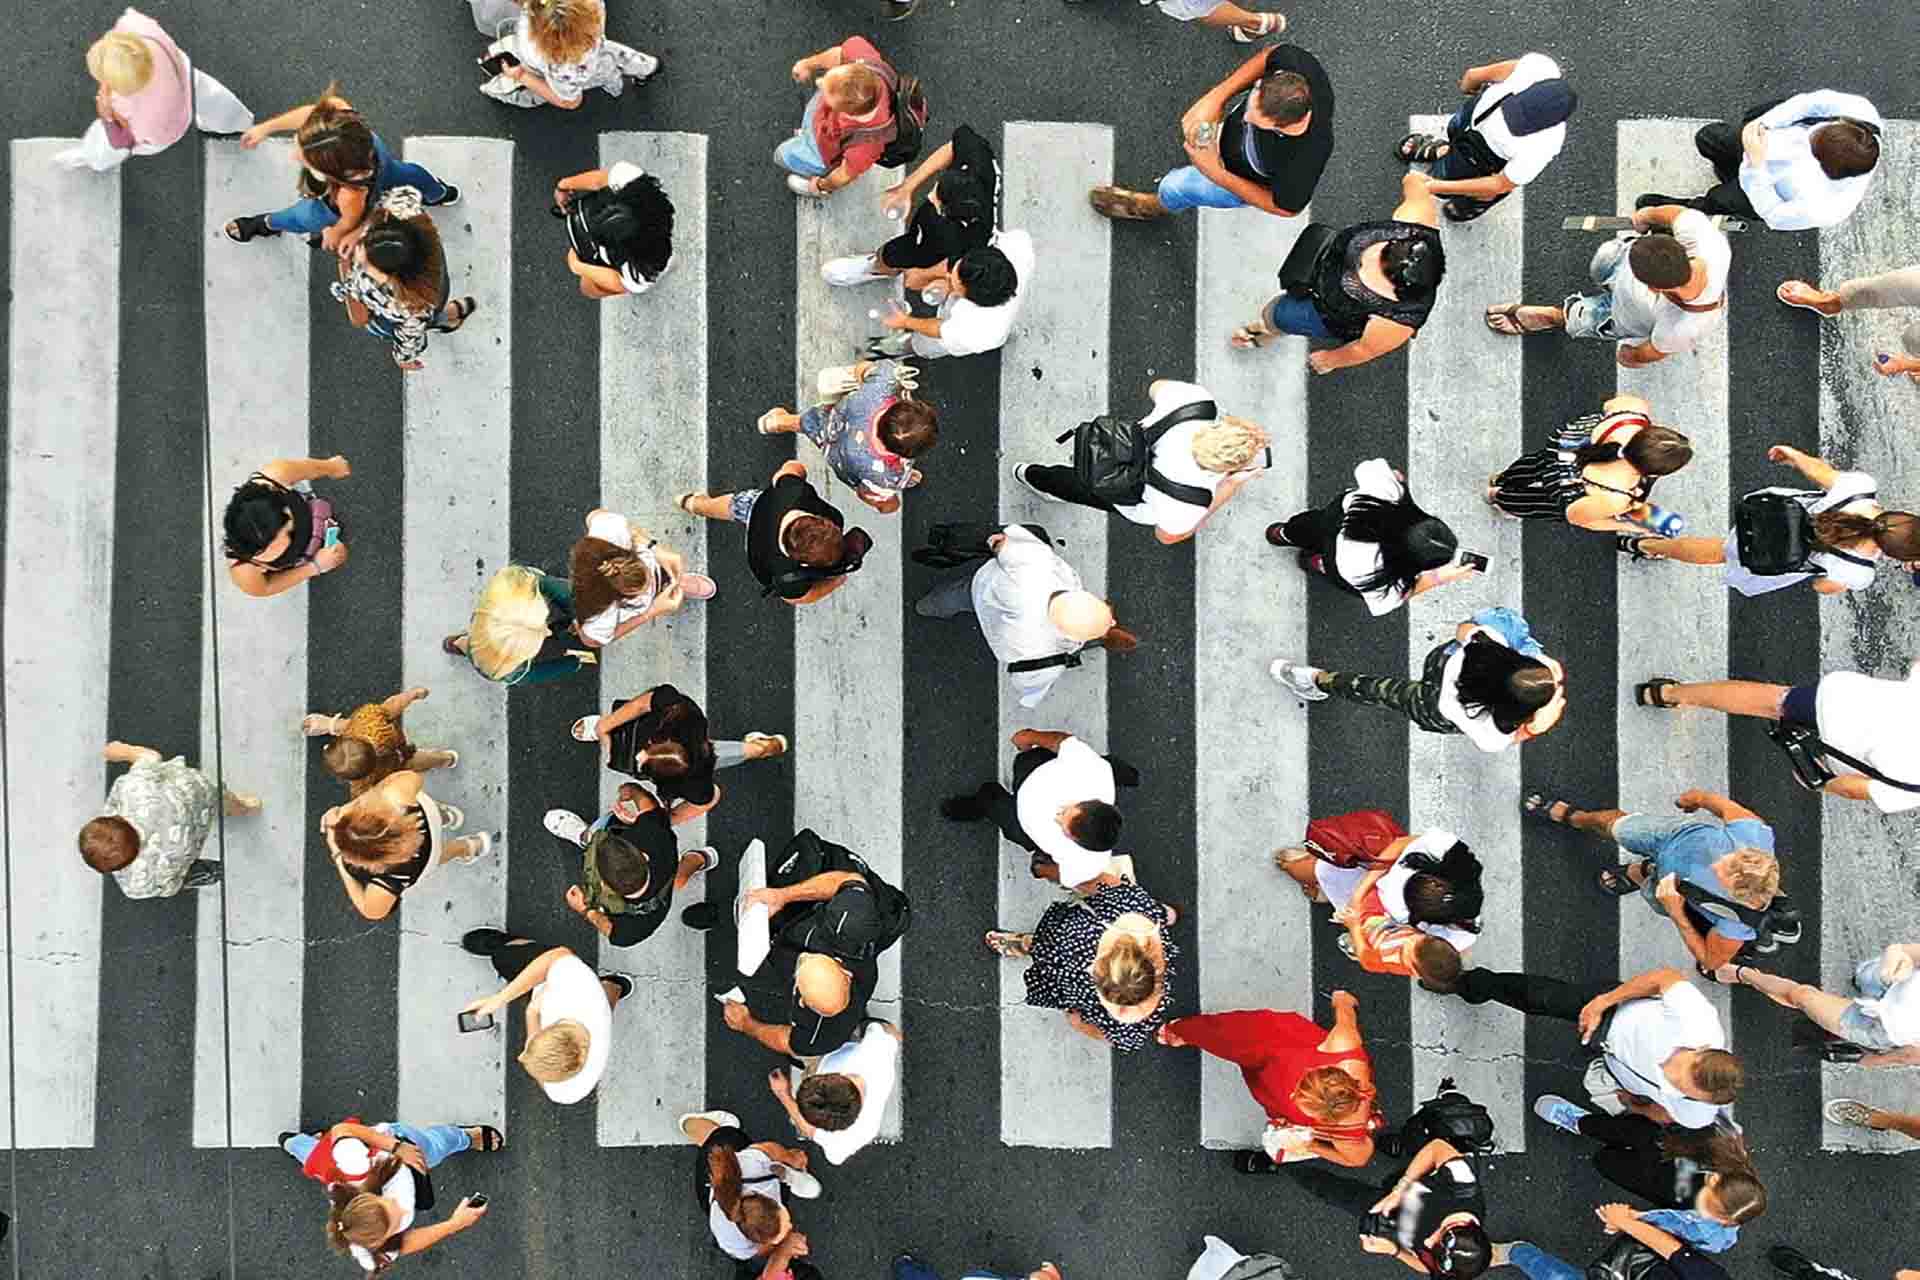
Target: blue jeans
<point x="436" y="1141"/>
<point x="1298" y="316"/>
<point x="801" y="154"/>
<point x="1541" y="1265"/>
<point x="914" y="1269"/>
<point x="1188" y="188"/>
<point x="312" y="216"/>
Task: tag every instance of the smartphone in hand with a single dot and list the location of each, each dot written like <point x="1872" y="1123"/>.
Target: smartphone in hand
<point x="1474" y="560"/>
<point x="494" y="64"/>
<point x="476" y="1021"/>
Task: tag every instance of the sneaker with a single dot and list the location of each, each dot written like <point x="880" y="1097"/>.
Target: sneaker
<point x="802" y="187"/>
<point x="486" y="839"/>
<point x="568" y="825"/>
<point x="1020" y="474"/>
<point x="1299" y="679"/>
<point x="1653" y="199"/>
<point x="894" y="10"/>
<point x="621" y="982"/>
<point x="1118" y="202"/>
<point x="1559" y="1113"/>
<point x="286" y="1136"/>
<point x="451" y="198"/>
<point x="962" y="809"/>
<point x="1841" y="1051"/>
<point x="701" y="916"/>
<point x="203" y="872"/>
<point x="843" y="273"/>
<point x="1784" y="921"/>
<point x="798" y="1181"/>
<point x="1851" y="1112"/>
<point x="725" y="1119"/>
<point x="649" y="68"/>
<point x="484" y="942"/>
<point x="1277" y="534"/>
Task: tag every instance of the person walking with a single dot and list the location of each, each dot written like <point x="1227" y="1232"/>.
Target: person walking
<point x="1850" y="533"/>
<point x="148" y="95"/>
<point x="1492" y="682"/>
<point x="1798" y="164"/>
<point x="345" y="168"/>
<point x="849" y="119"/>
<point x="1374" y="541"/>
<point x="1104" y="960"/>
<point x="1315" y="1084"/>
<point x="370" y="744"/>
<point x="345" y="1152"/>
<point x="1662" y="1049"/>
<point x="961" y="181"/>
<point x="149" y="834"/>
<point x="1671" y="1257"/>
<point x="1878" y="1027"/>
<point x="394" y="283"/>
<point x="1415" y="911"/>
<point x="1259" y="138"/>
<point x="630" y="866"/>
<point x="1032" y="609"/>
<point x="1197" y="459"/>
<point x="622" y="577"/>
<point x="739" y="1184"/>
<point x="1598" y="473"/>
<point x="378" y="1185"/>
<point x="569" y="1009"/>
<point x="277" y="533"/>
<point x="557" y="51"/>
<point x="798" y="546"/>
<point x="840" y="1104"/>
<point x="522" y="630"/>
<point x="392" y="836"/>
<point x="1886" y="291"/>
<point x="976" y="298"/>
<point x="1861" y="723"/>
<point x="1369" y="288"/>
<point x="1060" y="810"/>
<point x="660" y="738"/>
<point x="1512" y="125"/>
<point x="1432" y="1218"/>
<point x="869" y="427"/>
<point x="908" y="1267"/>
<point x="1706" y="870"/>
<point x="1703" y="1182"/>
<point x="1662" y="288"/>
<point x="619" y="224"/>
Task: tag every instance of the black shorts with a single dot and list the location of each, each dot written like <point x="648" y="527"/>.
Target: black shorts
<point x="1798" y="706"/>
<point x="911" y="249"/>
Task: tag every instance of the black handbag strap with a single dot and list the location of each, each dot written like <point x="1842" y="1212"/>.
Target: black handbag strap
<point x="1191" y="494"/>
<point x="1069" y="659"/>
<point x="1859" y="766"/>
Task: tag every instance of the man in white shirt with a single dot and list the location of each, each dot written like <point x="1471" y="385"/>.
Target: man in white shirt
<point x="1659" y="293"/>
<point x="1060" y="809"/>
<point x="569" y="1009"/>
<point x="1034" y="613"/>
<point x="841" y="1102"/>
<point x="1511" y="128"/>
<point x="1799" y="164"/>
<point x="1199" y="460"/>
<point x="982" y="293"/>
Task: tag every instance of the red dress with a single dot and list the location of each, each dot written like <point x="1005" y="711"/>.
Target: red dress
<point x="1273" y="1050"/>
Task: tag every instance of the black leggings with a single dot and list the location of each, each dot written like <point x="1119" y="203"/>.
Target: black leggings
<point x="1632" y="1158"/>
<point x="1720" y="144"/>
<point x="1062" y="483"/>
<point x="1544" y="997"/>
<point x="509" y="960"/>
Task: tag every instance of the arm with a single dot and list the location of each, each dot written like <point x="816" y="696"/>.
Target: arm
<point x="529" y="978"/>
<point x="938" y="162"/>
<point x="885" y="504"/>
<point x="127" y="753"/>
<point x="1709" y="950"/>
<point x="577" y="902"/>
<point x="1434" y="578"/>
<point x="420" y="1239"/>
<point x="1638" y="355"/>
<point x="1416" y="201"/>
<point x="1212" y="104"/>
<point x="590" y="180"/>
<point x="1716" y="804"/>
<point x="1228" y="487"/>
<point x="1490" y="187"/>
<point x="789" y="468"/>
<point x="1380" y="337"/>
<point x="604" y="277"/>
<point x="528" y="78"/>
<point x="1084" y="1027"/>
<point x="820" y="591"/>
<point x="1345" y="1035"/>
<point x="813" y="889"/>
<point x="1601" y="512"/>
<point x="739" y="1018"/>
<point x="371" y="901"/>
<point x="687" y="811"/>
<point x="925" y="326"/>
<point x="292" y="471"/>
<point x="782" y="1090"/>
<point x="1818" y="470"/>
<point x="1478" y="78"/>
<point x="1207" y="160"/>
<point x="826" y="60"/>
<point x="1622" y="1219"/>
<point x="1651" y="983"/>
<point x="285" y="122"/>
<point x="1850" y="786"/>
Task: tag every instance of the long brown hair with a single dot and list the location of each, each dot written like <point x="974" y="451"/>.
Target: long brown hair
<point x="603" y="574"/>
<point x="350" y="1210"/>
<point x="565" y="30"/>
<point x="374" y="841"/>
<point x="335" y="141"/>
<point x="1739" y="1190"/>
<point x="1895" y="532"/>
<point x="406" y="248"/>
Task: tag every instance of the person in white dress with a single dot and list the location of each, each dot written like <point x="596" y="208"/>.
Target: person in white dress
<point x="559" y="50"/>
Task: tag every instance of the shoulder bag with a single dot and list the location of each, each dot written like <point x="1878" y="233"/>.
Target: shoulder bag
<point x="1625" y="1258"/>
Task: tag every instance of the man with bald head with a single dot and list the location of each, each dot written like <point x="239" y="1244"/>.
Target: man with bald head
<point x="1032" y="609"/>
<point x="826" y="1003"/>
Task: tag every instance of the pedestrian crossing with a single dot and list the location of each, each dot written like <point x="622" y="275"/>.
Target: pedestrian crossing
<point x="1252" y="935"/>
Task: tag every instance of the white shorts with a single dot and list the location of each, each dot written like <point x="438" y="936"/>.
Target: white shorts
<point x="1188" y="10"/>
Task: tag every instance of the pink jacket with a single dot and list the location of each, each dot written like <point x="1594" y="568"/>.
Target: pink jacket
<point x="159" y="114"/>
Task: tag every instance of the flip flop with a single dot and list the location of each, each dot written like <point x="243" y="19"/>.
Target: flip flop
<point x="1781" y="293"/>
<point x="1420" y="148"/>
<point x="583" y="728"/>
<point x="491" y="1139"/>
<point x="1647" y="693"/>
<point x="1251" y="337"/>
<point x="1010" y="946"/>
<point x="1615" y="883"/>
<point x="1510" y="313"/>
<point x="1271" y="24"/>
<point x="1537" y="805"/>
<point x="252" y="227"/>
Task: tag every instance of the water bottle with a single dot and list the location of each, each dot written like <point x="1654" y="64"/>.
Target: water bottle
<point x="934" y="294"/>
<point x="876" y="329"/>
<point x="1660" y="522"/>
<point x="895" y="213"/>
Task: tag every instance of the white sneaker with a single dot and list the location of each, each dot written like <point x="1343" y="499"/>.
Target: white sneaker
<point x="844" y="273"/>
<point x="803" y="1184"/>
<point x="568" y="825"/>
<point x="802" y="187"/>
<point x="1020" y="474"/>
<point x="725" y="1119"/>
<point x="1299" y="679"/>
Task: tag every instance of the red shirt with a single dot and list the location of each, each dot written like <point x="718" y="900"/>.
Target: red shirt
<point x="830" y="127"/>
<point x="1273" y="1050"/>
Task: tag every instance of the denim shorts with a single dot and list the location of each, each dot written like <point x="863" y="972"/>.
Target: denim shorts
<point x="1298" y="316"/>
<point x="740" y="505"/>
<point x="1862" y="1028"/>
<point x="1590" y="315"/>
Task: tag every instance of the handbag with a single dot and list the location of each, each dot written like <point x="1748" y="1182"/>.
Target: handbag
<point x="1624" y="1258"/>
<point x="953" y="543"/>
<point x="1354" y="840"/>
<point x="1807" y="755"/>
<point x="1301" y="270"/>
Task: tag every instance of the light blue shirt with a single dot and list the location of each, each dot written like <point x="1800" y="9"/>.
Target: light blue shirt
<point x="1697" y="1229"/>
<point x="1788" y="188"/>
<point x="1688" y="847"/>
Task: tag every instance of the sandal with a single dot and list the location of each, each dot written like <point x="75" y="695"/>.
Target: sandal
<point x="1010" y="946"/>
<point x="1615" y="882"/>
<point x="467" y="307"/>
<point x="1647" y="693"/>
<point x="1802" y="285"/>
<point x="583" y="728"/>
<point x="1505" y="319"/>
<point x="1251" y="337"/>
<point x="1421" y="148"/>
<point x="1628" y="545"/>
<point x="1536" y="805"/>
<point x="252" y="227"/>
<point x="491" y="1139"/>
<point x="1271" y="24"/>
<point x="684" y="501"/>
<point x="1254" y="1162"/>
<point x="451" y="644"/>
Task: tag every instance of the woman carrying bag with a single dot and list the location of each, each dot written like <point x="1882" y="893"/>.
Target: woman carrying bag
<point x="1374" y="541"/>
<point x="1597" y="474"/>
<point x="391" y="838"/>
<point x="619" y="229"/>
<point x="278" y="533"/>
<point x="149" y="95"/>
<point x="1641" y="1251"/>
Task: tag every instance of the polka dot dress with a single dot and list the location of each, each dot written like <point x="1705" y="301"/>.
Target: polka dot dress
<point x="1064" y="943"/>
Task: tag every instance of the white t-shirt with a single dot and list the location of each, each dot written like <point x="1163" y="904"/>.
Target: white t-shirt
<point x="1526" y="154"/>
<point x="1339" y="884"/>
<point x="1850" y="489"/>
<point x="1358" y="561"/>
<point x="400" y="1189"/>
<point x="875" y="1058"/>
<point x="617" y="177"/>
<point x="573" y="992"/>
<point x="1877" y="721"/>
<point x="967" y="329"/>
<point x="1077" y="773"/>
<point x="1011" y="593"/>
<point x="1646" y="1032"/>
<point x="611" y="527"/>
<point x="732" y="1241"/>
<point x="1670" y="327"/>
<point x="1173" y="458"/>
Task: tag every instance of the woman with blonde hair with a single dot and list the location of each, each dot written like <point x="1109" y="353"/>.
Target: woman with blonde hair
<point x="623" y="578"/>
<point x="371" y="1218"/>
<point x="1197" y="459"/>
<point x="345" y="168"/>
<point x="569" y="1009"/>
<point x="394" y="282"/>
<point x="522" y="630"/>
<point x="148" y="94"/>
<point x="390" y="837"/>
<point x="1103" y="959"/>
<point x="557" y="50"/>
<point x="1315" y="1085"/>
<point x="370" y="744"/>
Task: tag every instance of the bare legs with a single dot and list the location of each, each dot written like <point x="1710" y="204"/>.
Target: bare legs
<point x="710" y="506"/>
<point x="1735" y="697"/>
<point x="1690" y="550"/>
<point x="1821" y="1007"/>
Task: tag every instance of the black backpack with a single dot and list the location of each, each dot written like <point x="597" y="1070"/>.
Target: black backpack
<point x="906" y="132"/>
<point x="853" y="553"/>
<point x="1113" y="457"/>
<point x="1704" y="907"/>
<point x="1774" y="533"/>
<point x="1450" y="1115"/>
<point x="852" y="925"/>
<point x="585" y="215"/>
<point x="952" y="543"/>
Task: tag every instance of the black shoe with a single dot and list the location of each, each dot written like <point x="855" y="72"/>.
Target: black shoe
<point x="1784" y="921"/>
<point x="202" y="872"/>
<point x="1253" y="1162"/>
<point x="894" y="10"/>
<point x="621" y="981"/>
<point x="1790" y="1262"/>
<point x="452" y="197"/>
<point x="1842" y="1051"/>
<point x="962" y="809"/>
<point x="1628" y="545"/>
<point x="1277" y="534"/>
<point x="701" y="916"/>
<point x="1653" y="198"/>
<point x="484" y="942"/>
<point x="1460" y="210"/>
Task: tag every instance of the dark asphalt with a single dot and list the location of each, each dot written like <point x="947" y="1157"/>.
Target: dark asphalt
<point x="145" y="1204"/>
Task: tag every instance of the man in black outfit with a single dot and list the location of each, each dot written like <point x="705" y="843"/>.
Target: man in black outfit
<point x="958" y="216"/>
<point x="1432" y="1218"/>
<point x="1261" y="137"/>
<point x="797" y="543"/>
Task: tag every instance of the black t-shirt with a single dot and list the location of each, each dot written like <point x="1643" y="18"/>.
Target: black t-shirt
<point x="672" y="716"/>
<point x="764" y="556"/>
<point x="1688" y="1263"/>
<point x="932" y="237"/>
<point x="811" y="1033"/>
<point x="1452" y="1188"/>
<point x="1290" y="167"/>
<point x="653" y="835"/>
